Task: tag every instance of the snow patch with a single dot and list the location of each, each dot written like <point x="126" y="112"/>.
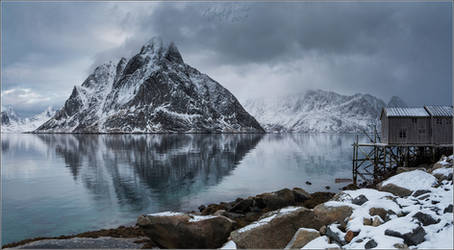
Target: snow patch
<point x="412" y="180"/>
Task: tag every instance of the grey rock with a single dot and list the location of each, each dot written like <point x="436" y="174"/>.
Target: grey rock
<point x="334" y="235"/>
<point x="370" y="244"/>
<point x="448" y="209"/>
<point x="425" y="219"/>
<point x="359" y="200"/>
<point x="412" y="238"/>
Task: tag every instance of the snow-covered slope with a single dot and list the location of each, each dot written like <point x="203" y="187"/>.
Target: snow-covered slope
<point x="316" y="111"/>
<point x="11" y="123"/>
<point x="152" y="92"/>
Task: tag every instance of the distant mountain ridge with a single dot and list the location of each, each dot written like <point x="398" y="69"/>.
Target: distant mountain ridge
<point x="317" y="111"/>
<point x="12" y="123"/>
<point x="152" y="92"/>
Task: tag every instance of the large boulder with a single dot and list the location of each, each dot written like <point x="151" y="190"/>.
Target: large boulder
<point x="405" y="183"/>
<point x="179" y="230"/>
<point x="328" y="214"/>
<point x="301" y="194"/>
<point x="275" y="229"/>
<point x="302" y="237"/>
<point x="275" y="200"/>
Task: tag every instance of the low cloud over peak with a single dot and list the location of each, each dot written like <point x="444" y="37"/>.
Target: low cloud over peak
<point x="253" y="49"/>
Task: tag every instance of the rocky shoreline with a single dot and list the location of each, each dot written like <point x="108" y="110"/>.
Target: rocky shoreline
<point x="410" y="209"/>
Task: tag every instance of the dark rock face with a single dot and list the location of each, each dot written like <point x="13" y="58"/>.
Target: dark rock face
<point x="448" y="209"/>
<point x="412" y="238"/>
<point x="425" y="219"/>
<point x="333" y="234"/>
<point x="420" y="192"/>
<point x="360" y="200"/>
<point x="5" y="119"/>
<point x="153" y="92"/>
<point x="370" y="244"/>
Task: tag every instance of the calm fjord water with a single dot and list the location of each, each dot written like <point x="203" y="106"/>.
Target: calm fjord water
<point x="65" y="184"/>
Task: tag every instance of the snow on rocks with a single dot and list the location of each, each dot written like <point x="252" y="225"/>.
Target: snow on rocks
<point x="302" y="237"/>
<point x="229" y="245"/>
<point x="405" y="183"/>
<point x="421" y="219"/>
<point x="321" y="242"/>
<point x="275" y="229"/>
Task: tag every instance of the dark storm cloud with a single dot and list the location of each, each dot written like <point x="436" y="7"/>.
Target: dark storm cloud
<point x="381" y="48"/>
<point x="252" y="48"/>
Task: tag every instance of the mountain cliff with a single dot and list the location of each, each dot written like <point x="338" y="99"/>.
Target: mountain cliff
<point x="152" y="92"/>
<point x="317" y="111"/>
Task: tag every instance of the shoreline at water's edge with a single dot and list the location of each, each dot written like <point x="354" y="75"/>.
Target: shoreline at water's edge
<point x="135" y="231"/>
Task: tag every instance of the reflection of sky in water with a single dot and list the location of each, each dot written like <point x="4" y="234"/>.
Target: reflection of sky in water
<point x="61" y="184"/>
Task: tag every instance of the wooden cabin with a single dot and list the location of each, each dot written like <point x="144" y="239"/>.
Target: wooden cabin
<point x="416" y="125"/>
<point x="441" y="124"/>
<point x="401" y="125"/>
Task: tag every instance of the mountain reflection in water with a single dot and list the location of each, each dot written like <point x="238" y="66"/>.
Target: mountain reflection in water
<point x="70" y="183"/>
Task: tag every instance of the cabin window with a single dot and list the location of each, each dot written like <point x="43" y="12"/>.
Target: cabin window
<point x="403" y="133"/>
<point x="413" y="120"/>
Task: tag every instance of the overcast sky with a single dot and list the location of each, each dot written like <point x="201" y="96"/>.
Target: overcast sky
<point x="253" y="49"/>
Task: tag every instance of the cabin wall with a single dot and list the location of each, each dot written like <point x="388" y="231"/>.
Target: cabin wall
<point x="417" y="130"/>
<point x="441" y="130"/>
<point x="384" y="129"/>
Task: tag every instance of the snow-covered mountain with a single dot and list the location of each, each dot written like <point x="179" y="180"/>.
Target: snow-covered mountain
<point x="12" y="123"/>
<point x="152" y="92"/>
<point x="317" y="111"/>
<point x="396" y="102"/>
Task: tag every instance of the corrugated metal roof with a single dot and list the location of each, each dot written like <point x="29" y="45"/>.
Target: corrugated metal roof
<point x="439" y="110"/>
<point x="406" y="112"/>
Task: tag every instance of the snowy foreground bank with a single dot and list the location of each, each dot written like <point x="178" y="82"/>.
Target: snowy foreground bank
<point x="410" y="210"/>
<point x="416" y="212"/>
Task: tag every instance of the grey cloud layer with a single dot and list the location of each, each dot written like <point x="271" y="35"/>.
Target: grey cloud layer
<point x="254" y="49"/>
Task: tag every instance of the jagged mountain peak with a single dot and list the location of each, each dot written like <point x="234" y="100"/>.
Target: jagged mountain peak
<point x="152" y="92"/>
<point x="157" y="49"/>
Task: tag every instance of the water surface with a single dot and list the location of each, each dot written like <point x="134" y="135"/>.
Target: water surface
<point x="65" y="184"/>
